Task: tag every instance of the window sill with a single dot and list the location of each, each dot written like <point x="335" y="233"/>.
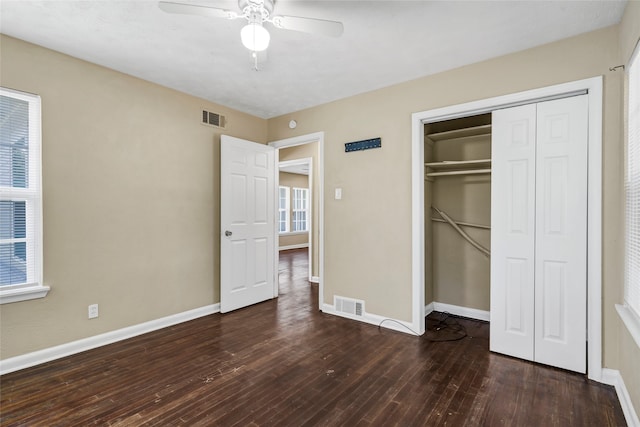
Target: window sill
<point x="23" y="294"/>
<point x="631" y="321"/>
<point x="293" y="233"/>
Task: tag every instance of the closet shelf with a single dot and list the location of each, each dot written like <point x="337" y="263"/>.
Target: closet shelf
<point x="458" y="167"/>
<point x="458" y="164"/>
<point x="460" y="133"/>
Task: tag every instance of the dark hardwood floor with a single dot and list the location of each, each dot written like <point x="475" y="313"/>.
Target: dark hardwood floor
<point x="284" y="363"/>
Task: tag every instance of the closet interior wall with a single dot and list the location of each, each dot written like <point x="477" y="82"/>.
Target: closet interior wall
<point x="457" y="273"/>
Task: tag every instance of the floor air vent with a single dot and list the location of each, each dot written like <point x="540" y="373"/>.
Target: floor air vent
<point x="350" y="306"/>
<point x="213" y="119"/>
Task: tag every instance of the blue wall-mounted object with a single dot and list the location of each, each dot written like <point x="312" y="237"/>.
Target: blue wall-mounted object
<point x="363" y="145"/>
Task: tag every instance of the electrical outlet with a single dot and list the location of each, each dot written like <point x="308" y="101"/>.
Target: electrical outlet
<point x="93" y="311"/>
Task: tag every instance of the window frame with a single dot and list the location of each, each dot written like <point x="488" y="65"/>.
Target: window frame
<point x="32" y="195"/>
<point x="284" y="210"/>
<point x="304" y="208"/>
<point x="630" y="311"/>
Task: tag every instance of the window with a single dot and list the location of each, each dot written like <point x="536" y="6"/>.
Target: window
<point x="20" y="198"/>
<point x="632" y="188"/>
<point x="300" y="209"/>
<point x="283" y="210"/>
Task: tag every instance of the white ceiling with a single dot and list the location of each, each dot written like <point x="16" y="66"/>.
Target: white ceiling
<point x="384" y="42"/>
<point x="300" y="168"/>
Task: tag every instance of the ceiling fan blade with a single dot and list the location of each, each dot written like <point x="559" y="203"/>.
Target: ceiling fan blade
<point x="309" y="25"/>
<point x="193" y="9"/>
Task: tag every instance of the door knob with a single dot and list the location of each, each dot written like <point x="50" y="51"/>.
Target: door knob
<point x="228" y="233"/>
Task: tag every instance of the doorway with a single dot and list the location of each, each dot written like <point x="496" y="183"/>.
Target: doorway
<point x="316" y="237"/>
<point x="295" y="205"/>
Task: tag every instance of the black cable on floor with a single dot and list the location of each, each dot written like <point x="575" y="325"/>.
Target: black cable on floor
<point x="444" y="327"/>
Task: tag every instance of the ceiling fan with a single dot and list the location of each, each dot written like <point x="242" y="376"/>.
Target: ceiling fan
<point x="254" y="35"/>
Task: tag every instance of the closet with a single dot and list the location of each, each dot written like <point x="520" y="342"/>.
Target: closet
<point x="514" y="181"/>
<point x="458" y="183"/>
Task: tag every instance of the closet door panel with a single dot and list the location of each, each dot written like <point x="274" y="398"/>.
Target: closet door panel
<point x="517" y="271"/>
<point x="513" y="231"/>
<point x="561" y="233"/>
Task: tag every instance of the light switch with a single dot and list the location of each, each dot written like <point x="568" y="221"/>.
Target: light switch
<point x="338" y="193"/>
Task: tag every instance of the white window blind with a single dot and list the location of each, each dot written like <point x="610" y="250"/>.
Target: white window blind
<point x="632" y="187"/>
<point x="20" y="197"/>
<point x="283" y="209"/>
<point x="300" y="209"/>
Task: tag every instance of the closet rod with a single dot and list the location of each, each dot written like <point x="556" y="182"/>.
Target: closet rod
<point x="462" y="233"/>
<point x="465" y="224"/>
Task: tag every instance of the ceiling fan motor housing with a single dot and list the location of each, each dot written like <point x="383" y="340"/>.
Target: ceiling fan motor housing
<point x="256" y="11"/>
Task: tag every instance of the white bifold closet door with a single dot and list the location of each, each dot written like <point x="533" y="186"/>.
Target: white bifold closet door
<point x="539" y="232"/>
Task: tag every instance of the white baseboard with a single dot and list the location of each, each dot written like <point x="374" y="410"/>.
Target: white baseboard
<point x="613" y="377"/>
<point x="314" y="279"/>
<point x="298" y="246"/>
<point x="428" y="309"/>
<point x="52" y="353"/>
<point x="373" y="319"/>
<point x="471" y="313"/>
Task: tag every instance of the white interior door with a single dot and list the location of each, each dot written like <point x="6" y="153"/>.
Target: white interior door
<point x="247" y="222"/>
<point x="561" y="233"/>
<point x="513" y="151"/>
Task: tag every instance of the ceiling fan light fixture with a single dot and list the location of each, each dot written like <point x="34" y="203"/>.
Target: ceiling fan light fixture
<point x="255" y="37"/>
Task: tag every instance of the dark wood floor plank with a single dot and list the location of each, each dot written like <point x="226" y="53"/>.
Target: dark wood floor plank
<point x="284" y="363"/>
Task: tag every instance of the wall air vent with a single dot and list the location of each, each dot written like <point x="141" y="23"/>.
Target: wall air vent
<point x="353" y="307"/>
<point x="213" y="119"/>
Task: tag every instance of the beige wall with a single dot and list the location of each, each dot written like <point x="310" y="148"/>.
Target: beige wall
<point x="304" y="151"/>
<point x="292" y="180"/>
<point x="130" y="194"/>
<point x="368" y="232"/>
<point x="628" y="350"/>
